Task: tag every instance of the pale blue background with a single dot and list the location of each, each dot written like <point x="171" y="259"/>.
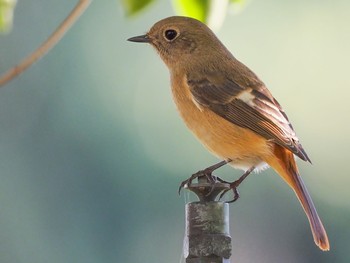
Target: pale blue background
<point x="92" y="149"/>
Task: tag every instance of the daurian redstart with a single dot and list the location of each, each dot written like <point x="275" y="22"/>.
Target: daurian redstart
<point x="229" y="108"/>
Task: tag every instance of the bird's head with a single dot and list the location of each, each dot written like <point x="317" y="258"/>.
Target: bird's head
<point x="181" y="41"/>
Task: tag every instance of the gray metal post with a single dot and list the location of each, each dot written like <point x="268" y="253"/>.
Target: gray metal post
<point x="207" y="237"/>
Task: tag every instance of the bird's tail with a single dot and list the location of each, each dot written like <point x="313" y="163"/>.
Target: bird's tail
<point x="284" y="164"/>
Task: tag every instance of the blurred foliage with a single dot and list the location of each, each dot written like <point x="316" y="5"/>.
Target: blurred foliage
<point x="7" y="8"/>
<point x="132" y="7"/>
<point x="237" y="5"/>
<point x="199" y="9"/>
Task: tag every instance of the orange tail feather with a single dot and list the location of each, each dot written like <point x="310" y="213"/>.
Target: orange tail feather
<point x="283" y="163"/>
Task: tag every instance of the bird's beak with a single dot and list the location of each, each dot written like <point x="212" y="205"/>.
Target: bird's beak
<point x="140" y="39"/>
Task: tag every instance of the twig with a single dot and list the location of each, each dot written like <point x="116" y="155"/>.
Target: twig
<point x="48" y="44"/>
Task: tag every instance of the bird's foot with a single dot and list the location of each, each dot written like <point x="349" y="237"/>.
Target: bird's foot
<point x="234" y="185"/>
<point x="206" y="173"/>
<point x="206" y="177"/>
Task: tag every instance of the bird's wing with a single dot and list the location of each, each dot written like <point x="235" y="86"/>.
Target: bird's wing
<point x="249" y="106"/>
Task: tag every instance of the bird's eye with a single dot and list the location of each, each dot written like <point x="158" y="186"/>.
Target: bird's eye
<point x="170" y="34"/>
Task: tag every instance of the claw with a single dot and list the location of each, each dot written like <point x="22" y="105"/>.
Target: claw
<point x="186" y="182"/>
<point x="234" y="185"/>
<point x="212" y="180"/>
<point x="206" y="172"/>
<point x="223" y="193"/>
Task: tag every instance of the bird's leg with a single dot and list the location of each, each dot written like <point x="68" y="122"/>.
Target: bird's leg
<point x="235" y="184"/>
<point x="207" y="172"/>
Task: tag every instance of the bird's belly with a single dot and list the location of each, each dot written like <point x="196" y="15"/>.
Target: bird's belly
<point x="223" y="138"/>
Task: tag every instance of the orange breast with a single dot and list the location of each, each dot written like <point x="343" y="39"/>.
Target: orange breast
<point x="223" y="138"/>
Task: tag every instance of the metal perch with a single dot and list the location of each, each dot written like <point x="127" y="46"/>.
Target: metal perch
<point x="207" y="237"/>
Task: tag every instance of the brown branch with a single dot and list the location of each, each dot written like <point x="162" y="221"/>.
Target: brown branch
<point x="48" y="44"/>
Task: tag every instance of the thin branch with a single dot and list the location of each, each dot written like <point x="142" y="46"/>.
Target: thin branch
<point x="48" y="44"/>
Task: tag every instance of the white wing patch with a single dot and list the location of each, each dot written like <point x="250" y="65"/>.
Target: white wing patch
<point x="266" y="107"/>
<point x="247" y="97"/>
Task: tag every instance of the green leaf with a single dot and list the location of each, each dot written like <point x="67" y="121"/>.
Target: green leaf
<point x="132" y="7"/>
<point x="237" y="5"/>
<point x="198" y="9"/>
<point x="7" y="8"/>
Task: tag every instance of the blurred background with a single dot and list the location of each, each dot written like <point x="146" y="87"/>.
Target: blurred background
<point x="92" y="150"/>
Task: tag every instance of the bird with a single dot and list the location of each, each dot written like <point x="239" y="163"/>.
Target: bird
<point x="229" y="109"/>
